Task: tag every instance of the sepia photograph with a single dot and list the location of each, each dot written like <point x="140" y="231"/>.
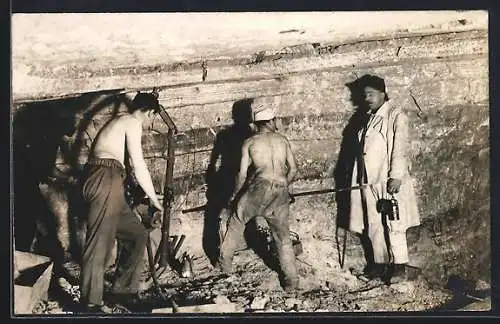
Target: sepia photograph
<point x="166" y="164"/>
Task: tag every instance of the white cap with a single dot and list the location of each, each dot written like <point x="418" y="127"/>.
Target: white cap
<point x="263" y="114"/>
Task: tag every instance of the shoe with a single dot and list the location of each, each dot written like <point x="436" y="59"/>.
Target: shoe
<point x="94" y="309"/>
<point x="125" y="299"/>
<point x="218" y="269"/>
<point x="373" y="272"/>
<point x="289" y="285"/>
<point x="396" y="274"/>
<point x="219" y="274"/>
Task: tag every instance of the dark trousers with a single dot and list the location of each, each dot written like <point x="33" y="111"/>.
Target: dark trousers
<point x="270" y="200"/>
<point x="110" y="217"/>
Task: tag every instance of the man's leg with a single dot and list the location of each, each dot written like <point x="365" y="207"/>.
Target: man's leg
<point x="377" y="236"/>
<point x="233" y="236"/>
<point x="399" y="247"/>
<point x="103" y="218"/>
<point x="399" y="251"/>
<point x="377" y="248"/>
<point x="389" y="246"/>
<point x="279" y="224"/>
<point x="253" y="202"/>
<point x="133" y="237"/>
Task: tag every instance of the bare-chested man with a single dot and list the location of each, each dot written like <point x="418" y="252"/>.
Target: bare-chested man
<point x="265" y="194"/>
<point x="109" y="215"/>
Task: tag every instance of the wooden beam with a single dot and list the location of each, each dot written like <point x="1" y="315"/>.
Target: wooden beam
<point x="27" y="86"/>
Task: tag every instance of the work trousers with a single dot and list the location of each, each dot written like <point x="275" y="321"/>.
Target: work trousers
<point x="110" y="218"/>
<point x="270" y="200"/>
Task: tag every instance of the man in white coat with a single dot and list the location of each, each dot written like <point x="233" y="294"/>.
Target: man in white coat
<point x="383" y="167"/>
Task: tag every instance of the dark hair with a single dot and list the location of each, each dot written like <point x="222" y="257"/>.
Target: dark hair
<point x="371" y="81"/>
<point x="146" y="101"/>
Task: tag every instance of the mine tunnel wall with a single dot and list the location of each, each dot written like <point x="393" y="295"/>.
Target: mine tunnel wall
<point x="440" y="81"/>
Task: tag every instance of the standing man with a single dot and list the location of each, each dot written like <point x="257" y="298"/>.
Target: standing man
<point x="109" y="215"/>
<point x="264" y="194"/>
<point x="383" y="166"/>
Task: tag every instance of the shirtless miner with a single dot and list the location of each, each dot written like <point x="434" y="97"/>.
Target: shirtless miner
<point x="109" y="216"/>
<point x="265" y="194"/>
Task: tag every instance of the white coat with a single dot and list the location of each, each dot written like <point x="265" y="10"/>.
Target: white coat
<point x="385" y="152"/>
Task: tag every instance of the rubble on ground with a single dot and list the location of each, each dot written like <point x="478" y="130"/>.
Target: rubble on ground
<point x="254" y="288"/>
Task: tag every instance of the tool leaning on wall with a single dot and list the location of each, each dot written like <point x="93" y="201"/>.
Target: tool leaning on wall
<point x="152" y="218"/>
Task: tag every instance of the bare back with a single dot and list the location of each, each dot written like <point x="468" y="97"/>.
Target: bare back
<point x="110" y="142"/>
<point x="269" y="154"/>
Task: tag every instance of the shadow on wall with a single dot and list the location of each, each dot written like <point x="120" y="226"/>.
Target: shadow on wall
<point x="350" y="151"/>
<point x="41" y="131"/>
<point x="48" y="141"/>
<point x="221" y="173"/>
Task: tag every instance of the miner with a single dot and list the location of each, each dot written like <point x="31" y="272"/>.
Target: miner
<point x="221" y="181"/>
<point x="386" y="206"/>
<point x="109" y="216"/>
<point x="265" y="193"/>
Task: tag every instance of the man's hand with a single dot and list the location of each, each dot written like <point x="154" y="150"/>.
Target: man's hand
<point x="72" y="180"/>
<point x="156" y="204"/>
<point x="393" y="185"/>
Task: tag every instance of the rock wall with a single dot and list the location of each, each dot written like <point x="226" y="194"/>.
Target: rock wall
<point x="439" y="79"/>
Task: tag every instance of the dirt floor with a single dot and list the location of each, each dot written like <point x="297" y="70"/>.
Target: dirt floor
<point x="325" y="286"/>
<point x="254" y="287"/>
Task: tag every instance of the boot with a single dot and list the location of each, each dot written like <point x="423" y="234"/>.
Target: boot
<point x="290" y="285"/>
<point x="92" y="308"/>
<point x="374" y="271"/>
<point x="124" y="301"/>
<point x="396" y="273"/>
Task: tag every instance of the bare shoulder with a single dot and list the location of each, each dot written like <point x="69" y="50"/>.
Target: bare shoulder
<point x="248" y="141"/>
<point x="125" y="117"/>
<point x="283" y="138"/>
<point x="128" y="121"/>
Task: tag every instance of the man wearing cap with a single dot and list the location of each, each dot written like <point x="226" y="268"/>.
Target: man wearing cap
<point x="265" y="194"/>
<point x="383" y="166"/>
<point x="109" y="215"/>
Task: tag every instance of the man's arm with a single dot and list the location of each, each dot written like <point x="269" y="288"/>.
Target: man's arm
<point x="292" y="165"/>
<point x="398" y="166"/>
<point x="244" y="164"/>
<point x="133" y="134"/>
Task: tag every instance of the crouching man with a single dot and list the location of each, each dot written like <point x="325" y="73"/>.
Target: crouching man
<point x="264" y="194"/>
<point x="109" y="216"/>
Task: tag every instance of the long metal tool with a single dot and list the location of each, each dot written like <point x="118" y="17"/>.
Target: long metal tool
<point x="152" y="269"/>
<point x="168" y="191"/>
<point x="293" y="195"/>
